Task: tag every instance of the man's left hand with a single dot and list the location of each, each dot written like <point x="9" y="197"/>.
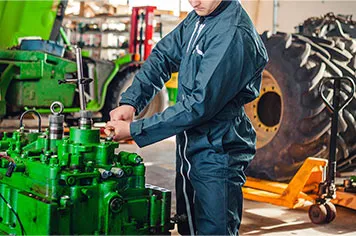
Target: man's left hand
<point x="120" y="128"/>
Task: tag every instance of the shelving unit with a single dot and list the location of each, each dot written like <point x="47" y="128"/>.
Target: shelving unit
<point x="104" y="36"/>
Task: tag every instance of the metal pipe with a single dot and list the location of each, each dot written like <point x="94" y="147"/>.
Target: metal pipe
<point x="65" y="38"/>
<point x="179" y="7"/>
<point x="275" y="16"/>
<point x="78" y="55"/>
<point x="91" y="70"/>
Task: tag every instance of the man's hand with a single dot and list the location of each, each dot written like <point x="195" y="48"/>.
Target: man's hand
<point x="119" y="130"/>
<point x="123" y="112"/>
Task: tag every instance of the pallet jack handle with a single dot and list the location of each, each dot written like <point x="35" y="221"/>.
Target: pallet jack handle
<point x="324" y="211"/>
<point x="335" y="108"/>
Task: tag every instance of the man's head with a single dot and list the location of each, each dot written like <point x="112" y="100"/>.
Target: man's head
<point x="204" y="7"/>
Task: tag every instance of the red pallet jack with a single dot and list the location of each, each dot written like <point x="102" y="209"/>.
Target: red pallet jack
<point x="314" y="183"/>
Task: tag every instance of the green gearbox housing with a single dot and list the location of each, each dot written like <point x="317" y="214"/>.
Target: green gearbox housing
<point x="76" y="185"/>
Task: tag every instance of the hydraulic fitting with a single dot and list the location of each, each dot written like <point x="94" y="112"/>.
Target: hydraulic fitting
<point x="56" y="121"/>
<point x="117" y="172"/>
<point x="10" y="169"/>
<point x="85" y="121"/>
<point x="104" y="173"/>
<point x="130" y="158"/>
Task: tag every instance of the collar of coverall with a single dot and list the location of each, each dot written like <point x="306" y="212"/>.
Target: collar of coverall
<point x="222" y="6"/>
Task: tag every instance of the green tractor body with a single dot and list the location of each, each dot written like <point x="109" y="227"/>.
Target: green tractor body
<point x="20" y="19"/>
<point x="28" y="79"/>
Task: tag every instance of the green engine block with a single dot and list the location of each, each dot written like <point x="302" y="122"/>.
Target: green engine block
<point x="76" y="185"/>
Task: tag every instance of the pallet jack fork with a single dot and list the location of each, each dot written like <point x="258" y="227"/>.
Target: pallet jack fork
<point x="314" y="183"/>
<point x="302" y="190"/>
<point x="292" y="195"/>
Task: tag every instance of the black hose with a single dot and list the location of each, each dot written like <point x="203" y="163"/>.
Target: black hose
<point x="34" y="112"/>
<point x="15" y="213"/>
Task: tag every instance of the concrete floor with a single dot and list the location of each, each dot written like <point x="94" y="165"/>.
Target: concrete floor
<point x="258" y="218"/>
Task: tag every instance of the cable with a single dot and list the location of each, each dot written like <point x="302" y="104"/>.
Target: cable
<point x="17" y="216"/>
<point x="34" y="112"/>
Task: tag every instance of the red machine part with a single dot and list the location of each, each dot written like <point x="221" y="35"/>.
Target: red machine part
<point x="136" y="34"/>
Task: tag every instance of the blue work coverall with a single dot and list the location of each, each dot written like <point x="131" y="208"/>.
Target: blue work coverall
<point x="220" y="59"/>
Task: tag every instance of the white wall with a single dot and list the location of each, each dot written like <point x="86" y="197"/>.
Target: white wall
<point x="291" y="13"/>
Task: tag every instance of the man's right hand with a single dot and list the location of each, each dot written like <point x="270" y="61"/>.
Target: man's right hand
<point x="123" y="112"/>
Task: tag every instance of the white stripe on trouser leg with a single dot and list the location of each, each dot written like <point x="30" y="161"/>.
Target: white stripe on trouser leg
<point x="185" y="156"/>
<point x="190" y="222"/>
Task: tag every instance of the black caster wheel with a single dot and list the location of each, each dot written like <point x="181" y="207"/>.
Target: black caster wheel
<point x="318" y="213"/>
<point x="331" y="212"/>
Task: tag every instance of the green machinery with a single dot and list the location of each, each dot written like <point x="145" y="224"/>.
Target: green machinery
<point x="29" y="74"/>
<point x="28" y="79"/>
<point x="51" y="184"/>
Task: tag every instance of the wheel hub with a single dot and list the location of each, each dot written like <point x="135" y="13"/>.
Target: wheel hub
<point x="266" y="111"/>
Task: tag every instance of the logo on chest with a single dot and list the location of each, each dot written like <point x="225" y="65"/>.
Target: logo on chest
<point x="198" y="51"/>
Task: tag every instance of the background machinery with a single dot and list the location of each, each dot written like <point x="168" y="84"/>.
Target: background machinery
<point x="29" y="72"/>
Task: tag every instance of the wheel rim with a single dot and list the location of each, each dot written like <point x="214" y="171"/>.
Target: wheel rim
<point x="331" y="212"/>
<point x="318" y="213"/>
<point x="266" y="111"/>
<point x="156" y="105"/>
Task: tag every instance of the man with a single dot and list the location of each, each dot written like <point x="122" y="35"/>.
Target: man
<point x="220" y="58"/>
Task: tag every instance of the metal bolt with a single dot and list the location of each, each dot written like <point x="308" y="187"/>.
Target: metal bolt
<point x="71" y="180"/>
<point x="116" y="204"/>
<point x="138" y="160"/>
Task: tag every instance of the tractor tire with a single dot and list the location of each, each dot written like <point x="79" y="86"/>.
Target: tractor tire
<point x="329" y="25"/>
<point x="348" y="68"/>
<point x="119" y="85"/>
<point x="290" y="118"/>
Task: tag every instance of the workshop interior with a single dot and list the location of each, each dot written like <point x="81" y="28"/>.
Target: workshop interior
<point x="63" y="67"/>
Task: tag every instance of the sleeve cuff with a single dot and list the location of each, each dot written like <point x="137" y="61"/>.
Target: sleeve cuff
<point x="137" y="133"/>
<point x="131" y="103"/>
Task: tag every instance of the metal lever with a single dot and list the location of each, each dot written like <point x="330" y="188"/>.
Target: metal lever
<point x="82" y="81"/>
<point x="78" y="56"/>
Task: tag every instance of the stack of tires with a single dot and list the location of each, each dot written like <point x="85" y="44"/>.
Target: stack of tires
<point x="290" y="118"/>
